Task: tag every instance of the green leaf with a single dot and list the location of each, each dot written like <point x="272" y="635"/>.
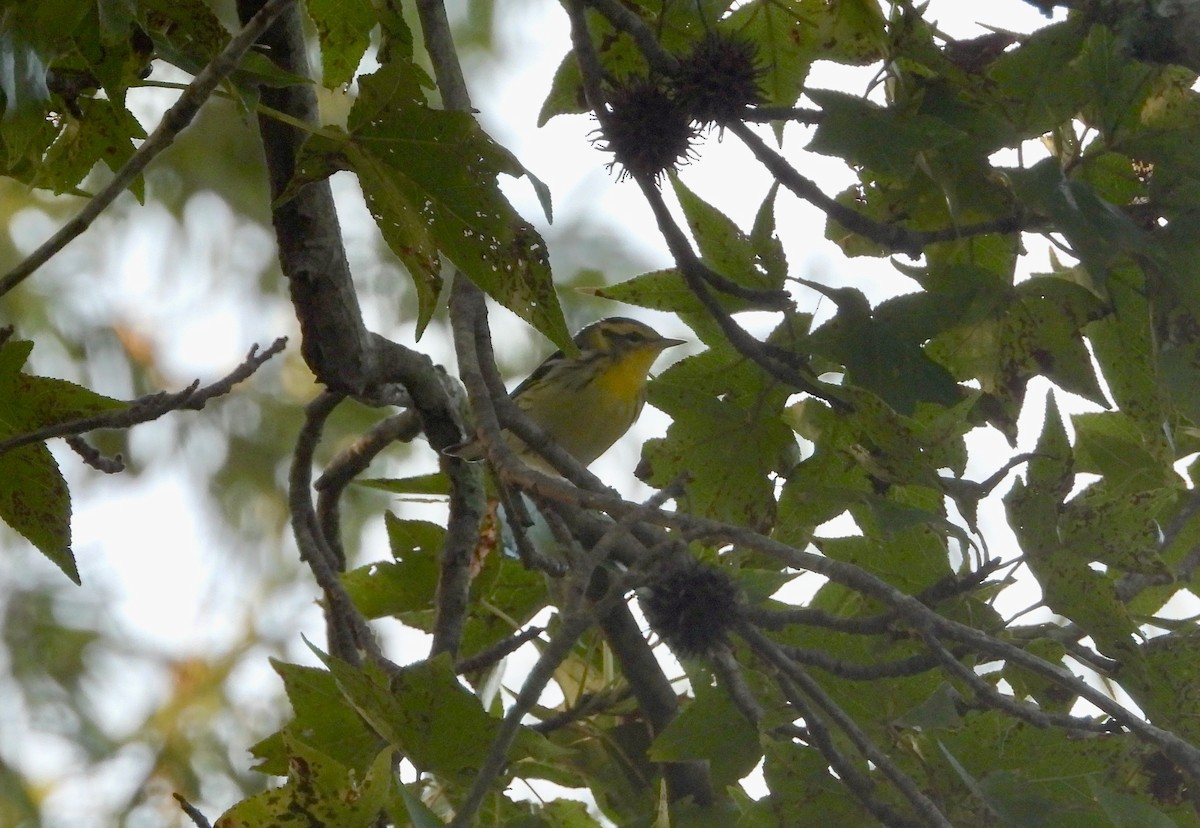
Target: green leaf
<point x="424" y="484"/>
<point x="1124" y="811"/>
<point x="430" y="181"/>
<point x="712" y="729"/>
<point x="322" y="720"/>
<point x="913" y="559"/>
<point x="408" y="537"/>
<point x="1032" y="105"/>
<point x="319" y="791"/>
<point x="1035" y="330"/>
<point x="1126" y="350"/>
<point x="756" y="261"/>
<point x="422" y="815"/>
<point x="800" y="782"/>
<point x="851" y="31"/>
<point x="850" y="128"/>
<point x="726" y="249"/>
<point x="34" y="501"/>
<point x="1047" y="693"/>
<point x="1169" y="688"/>
<point x="819" y="489"/>
<point x="1073" y="589"/>
<point x="768" y="249"/>
<point x="566" y="91"/>
<point x="385" y="588"/>
<point x="407" y="585"/>
<point x="1114" y="445"/>
<point x="1010" y="796"/>
<point x="787" y="35"/>
<point x="344" y="28"/>
<point x="505" y="596"/>
<point x="33" y="495"/>
<point x="29" y="402"/>
<point x="103" y="132"/>
<point x="1032" y="505"/>
<point x="938" y="712"/>
<point x="1099" y="233"/>
<point x="726" y="439"/>
<point x="423" y="712"/>
<point x="663" y="290"/>
<point x="882" y="357"/>
<point x="1120" y="529"/>
<point x="619" y="56"/>
<point x="1118" y="84"/>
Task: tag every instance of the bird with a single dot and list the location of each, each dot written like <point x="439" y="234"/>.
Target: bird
<point x="586" y="402"/>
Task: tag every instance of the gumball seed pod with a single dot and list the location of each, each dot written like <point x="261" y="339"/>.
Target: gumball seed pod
<point x="692" y="607"/>
<point x="646" y="130"/>
<point x="718" y="80"/>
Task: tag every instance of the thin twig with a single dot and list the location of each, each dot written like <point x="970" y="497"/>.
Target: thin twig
<point x="818" y="735"/>
<point x="729" y="672"/>
<point x="439" y="44"/>
<point x="1014" y="707"/>
<point x="351" y="462"/>
<point x="774" y="619"/>
<point x="911" y="666"/>
<point x="349" y="634"/>
<point x="765" y="114"/>
<point x="174" y="121"/>
<point x="771" y="652"/>
<point x="556" y="650"/>
<point x="621" y="17"/>
<point x="151" y="406"/>
<point x="588" y="704"/>
<point x="93" y="457"/>
<point x="519" y="520"/>
<point x="491" y="655"/>
<point x="198" y="819"/>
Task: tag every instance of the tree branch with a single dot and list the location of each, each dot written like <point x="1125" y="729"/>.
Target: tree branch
<point x="349" y="634"/>
<point x="334" y="340"/>
<point x="348" y="464"/>
<point x="766" y="648"/>
<point x="151" y="406"/>
<point x="574" y="622"/>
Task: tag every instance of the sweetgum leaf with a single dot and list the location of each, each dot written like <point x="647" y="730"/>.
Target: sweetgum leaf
<point x="33" y="495"/>
<point x="344" y="29"/>
<point x="429" y="177"/>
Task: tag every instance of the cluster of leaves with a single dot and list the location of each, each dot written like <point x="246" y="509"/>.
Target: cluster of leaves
<point x="885" y="445"/>
<point x="430" y="175"/>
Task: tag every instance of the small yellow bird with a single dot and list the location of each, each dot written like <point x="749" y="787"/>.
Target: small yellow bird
<point x="586" y="402"/>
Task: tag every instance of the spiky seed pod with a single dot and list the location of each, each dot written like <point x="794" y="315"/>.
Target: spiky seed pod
<point x="692" y="607"/>
<point x="718" y="80"/>
<point x="647" y="132"/>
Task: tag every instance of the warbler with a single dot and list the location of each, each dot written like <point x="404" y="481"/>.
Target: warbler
<point x="586" y="402"/>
